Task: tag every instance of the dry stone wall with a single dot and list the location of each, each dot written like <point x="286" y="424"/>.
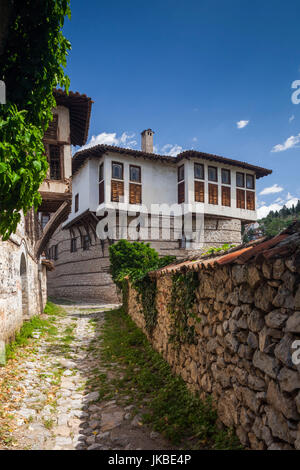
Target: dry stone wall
<point x="249" y="321"/>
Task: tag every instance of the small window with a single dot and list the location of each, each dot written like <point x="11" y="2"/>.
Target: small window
<point x="135" y="173"/>
<point x="86" y="242"/>
<point x="212" y="173"/>
<point x="101" y="173"/>
<point x="213" y="194"/>
<point x="240" y="199"/>
<point x="226" y="176"/>
<point x="117" y="191"/>
<point x="51" y="132"/>
<point x="226" y="197"/>
<point x="250" y="196"/>
<point x="250" y="181"/>
<point x="240" y="180"/>
<point x="199" y="171"/>
<point x="53" y="252"/>
<point x="44" y="220"/>
<point x="73" y="245"/>
<point x="117" y="171"/>
<point x="76" y="202"/>
<point x="181" y="191"/>
<point x="54" y="162"/>
<point x="135" y="193"/>
<point x="199" y="191"/>
<point x="181" y="173"/>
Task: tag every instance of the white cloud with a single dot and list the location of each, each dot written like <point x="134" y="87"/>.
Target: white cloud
<point x="289" y="202"/>
<point x="241" y="124"/>
<point x="194" y="139"/>
<point x="291" y="118"/>
<point x="105" y="138"/>
<point x="172" y="150"/>
<point x="288" y="144"/>
<point x="271" y="190"/>
<point x="263" y="211"/>
<point x="292" y="202"/>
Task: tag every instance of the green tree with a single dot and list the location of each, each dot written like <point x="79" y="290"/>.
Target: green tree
<point x="32" y="65"/>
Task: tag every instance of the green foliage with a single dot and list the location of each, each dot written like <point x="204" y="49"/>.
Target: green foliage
<point x="131" y="258"/>
<point x="31" y="66"/>
<point x="171" y="408"/>
<point x="181" y="307"/>
<point x="273" y="223"/>
<point x="146" y="288"/>
<point x="213" y="250"/>
<point x="135" y="260"/>
<point x="36" y="323"/>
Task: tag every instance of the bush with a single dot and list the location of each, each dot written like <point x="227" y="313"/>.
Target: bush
<point x="134" y="259"/>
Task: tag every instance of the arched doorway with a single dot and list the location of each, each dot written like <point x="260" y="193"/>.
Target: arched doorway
<point x="24" y="286"/>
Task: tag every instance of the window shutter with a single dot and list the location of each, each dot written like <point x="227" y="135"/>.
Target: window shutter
<point x="135" y="193"/>
<point x="250" y="200"/>
<point x="213" y="194"/>
<point x="55" y="163"/>
<point x="226" y="197"/>
<point x="117" y="190"/>
<point x="101" y="192"/>
<point x="181" y="192"/>
<point x="199" y="191"/>
<point x="240" y="199"/>
<point x="51" y="132"/>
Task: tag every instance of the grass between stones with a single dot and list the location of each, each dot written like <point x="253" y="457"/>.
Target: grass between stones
<point x="23" y="347"/>
<point x="147" y="378"/>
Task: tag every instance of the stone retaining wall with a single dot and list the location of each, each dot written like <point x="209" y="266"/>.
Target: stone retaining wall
<point x="250" y="318"/>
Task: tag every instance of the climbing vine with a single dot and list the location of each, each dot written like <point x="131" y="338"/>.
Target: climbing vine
<point x="146" y="288"/>
<point x="31" y="65"/>
<point x="183" y="297"/>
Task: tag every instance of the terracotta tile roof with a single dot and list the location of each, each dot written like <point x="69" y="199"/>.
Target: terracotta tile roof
<point x="283" y="244"/>
<point x="80" y="112"/>
<point x="99" y="150"/>
<point x="259" y="171"/>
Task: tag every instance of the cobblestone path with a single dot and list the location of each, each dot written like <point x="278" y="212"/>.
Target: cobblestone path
<point x="53" y="398"/>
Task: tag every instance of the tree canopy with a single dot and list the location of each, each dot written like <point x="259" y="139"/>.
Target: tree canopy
<point x="32" y="65"/>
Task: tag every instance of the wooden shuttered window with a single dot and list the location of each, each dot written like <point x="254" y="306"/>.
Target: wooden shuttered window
<point x="250" y="196"/>
<point x="101" y="192"/>
<point x="213" y="194"/>
<point x="51" y="132"/>
<point x="240" y="199"/>
<point x="226" y="196"/>
<point x="199" y="191"/>
<point x="135" y="193"/>
<point x="117" y="190"/>
<point x="180" y="192"/>
<point x="55" y="162"/>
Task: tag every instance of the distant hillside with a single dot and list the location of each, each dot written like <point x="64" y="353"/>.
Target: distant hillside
<point x="273" y="223"/>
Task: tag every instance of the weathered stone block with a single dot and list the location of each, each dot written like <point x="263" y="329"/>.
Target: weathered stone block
<point x="266" y="363"/>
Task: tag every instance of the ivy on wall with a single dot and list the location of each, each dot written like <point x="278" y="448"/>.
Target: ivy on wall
<point x="181" y="308"/>
<point x="146" y="288"/>
<point x="31" y="65"/>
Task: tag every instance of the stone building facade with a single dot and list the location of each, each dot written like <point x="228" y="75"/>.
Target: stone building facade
<point x="246" y="352"/>
<point x="24" y="266"/>
<point x="178" y="204"/>
<point x="23" y="281"/>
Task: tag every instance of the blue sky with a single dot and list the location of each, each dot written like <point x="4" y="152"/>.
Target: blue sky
<point x="192" y="70"/>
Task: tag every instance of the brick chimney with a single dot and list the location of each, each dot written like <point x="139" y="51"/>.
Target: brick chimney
<point x="147" y="141"/>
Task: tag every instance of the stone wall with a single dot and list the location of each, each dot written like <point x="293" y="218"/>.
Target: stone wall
<point x="23" y="289"/>
<point x="249" y="319"/>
